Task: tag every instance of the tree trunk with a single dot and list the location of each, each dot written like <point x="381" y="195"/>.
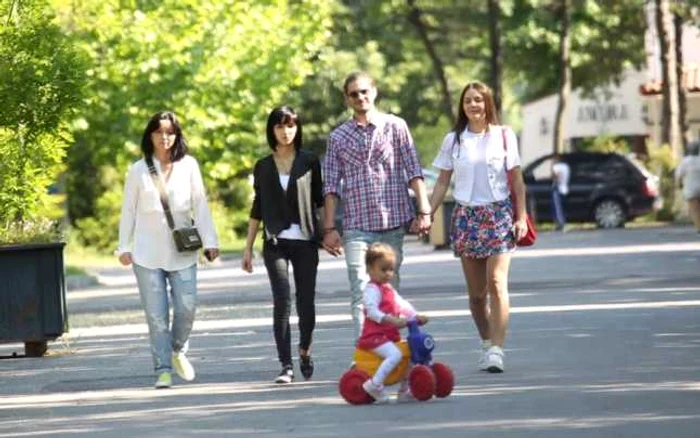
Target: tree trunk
<point x="564" y="7"/>
<point x="670" y="127"/>
<point x="496" y="54"/>
<point x="682" y="92"/>
<point x="415" y="18"/>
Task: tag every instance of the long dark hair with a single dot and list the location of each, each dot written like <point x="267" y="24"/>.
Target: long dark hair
<point x="179" y="149"/>
<point x="489" y="106"/>
<point x="282" y="115"/>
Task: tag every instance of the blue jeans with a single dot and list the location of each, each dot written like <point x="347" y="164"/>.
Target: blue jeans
<point x="154" y="299"/>
<point x="558" y="204"/>
<point x="356" y="244"/>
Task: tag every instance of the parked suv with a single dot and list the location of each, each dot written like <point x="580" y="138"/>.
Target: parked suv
<point x="608" y="189"/>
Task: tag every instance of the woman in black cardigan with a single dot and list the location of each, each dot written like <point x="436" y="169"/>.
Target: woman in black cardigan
<point x="288" y="192"/>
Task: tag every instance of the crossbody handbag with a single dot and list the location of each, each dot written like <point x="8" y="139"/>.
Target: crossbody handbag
<point x="529" y="238"/>
<point x="186" y="238"/>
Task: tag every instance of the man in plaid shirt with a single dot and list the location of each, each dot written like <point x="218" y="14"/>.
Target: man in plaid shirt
<point x="374" y="156"/>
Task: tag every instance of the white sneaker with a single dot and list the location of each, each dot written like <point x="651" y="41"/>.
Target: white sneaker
<point x="286" y="375"/>
<point x="481" y="364"/>
<point x="494" y="359"/>
<point x="405" y="396"/>
<point x="165" y="380"/>
<point x="182" y="366"/>
<point x="377" y="392"/>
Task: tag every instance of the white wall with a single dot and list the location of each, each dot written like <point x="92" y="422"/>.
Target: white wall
<point x="610" y="110"/>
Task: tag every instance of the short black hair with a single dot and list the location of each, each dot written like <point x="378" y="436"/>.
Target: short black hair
<point x="352" y="77"/>
<point x="282" y="115"/>
<point x="179" y="149"/>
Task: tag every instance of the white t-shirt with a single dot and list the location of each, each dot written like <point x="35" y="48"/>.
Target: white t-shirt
<point x="143" y="228"/>
<point x="688" y="173"/>
<point x="479" y="163"/>
<point x="562" y="172"/>
<point x="294" y="230"/>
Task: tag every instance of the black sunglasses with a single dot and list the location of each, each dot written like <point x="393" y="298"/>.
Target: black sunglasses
<point x="357" y="93"/>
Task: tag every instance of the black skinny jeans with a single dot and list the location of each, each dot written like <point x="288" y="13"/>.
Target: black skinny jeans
<point x="304" y="258"/>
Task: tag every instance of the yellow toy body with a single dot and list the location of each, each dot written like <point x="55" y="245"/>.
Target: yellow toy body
<point x="368" y="362"/>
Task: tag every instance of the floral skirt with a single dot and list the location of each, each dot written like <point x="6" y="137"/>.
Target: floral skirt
<point x="483" y="230"/>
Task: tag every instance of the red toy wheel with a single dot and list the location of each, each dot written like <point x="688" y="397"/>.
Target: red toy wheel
<point x="350" y="387"/>
<point x="444" y="380"/>
<point x="421" y="380"/>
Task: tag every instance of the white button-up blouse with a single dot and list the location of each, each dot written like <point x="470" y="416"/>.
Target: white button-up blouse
<point x="479" y="163"/>
<point x="143" y="228"/>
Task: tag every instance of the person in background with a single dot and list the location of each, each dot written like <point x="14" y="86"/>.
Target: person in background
<point x="146" y="242"/>
<point x="288" y="193"/>
<point x="688" y="179"/>
<point x="386" y="312"/>
<point x="560" y="188"/>
<point x="484" y="228"/>
<point x="374" y="157"/>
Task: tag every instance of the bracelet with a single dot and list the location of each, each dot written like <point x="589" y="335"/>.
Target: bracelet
<point x="328" y="230"/>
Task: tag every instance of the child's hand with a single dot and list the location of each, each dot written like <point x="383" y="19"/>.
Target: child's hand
<point x="422" y="319"/>
<point x="397" y="322"/>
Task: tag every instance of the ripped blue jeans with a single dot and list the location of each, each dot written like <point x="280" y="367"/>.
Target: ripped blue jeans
<point x="153" y="288"/>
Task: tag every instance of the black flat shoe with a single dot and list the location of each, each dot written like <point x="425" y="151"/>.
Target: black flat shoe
<point x="306" y="365"/>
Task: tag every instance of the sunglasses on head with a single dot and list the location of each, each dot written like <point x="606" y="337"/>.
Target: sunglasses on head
<point x="357" y="93"/>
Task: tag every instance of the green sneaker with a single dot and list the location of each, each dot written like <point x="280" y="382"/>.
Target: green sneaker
<point x="165" y="380"/>
<point x="182" y="366"/>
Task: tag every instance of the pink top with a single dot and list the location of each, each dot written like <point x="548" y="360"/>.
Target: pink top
<point x="380" y="300"/>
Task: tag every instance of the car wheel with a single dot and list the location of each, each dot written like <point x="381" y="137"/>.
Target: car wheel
<point x="609" y="213"/>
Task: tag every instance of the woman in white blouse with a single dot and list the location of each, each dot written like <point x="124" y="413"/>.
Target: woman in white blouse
<point x="146" y="241"/>
<point x="484" y="227"/>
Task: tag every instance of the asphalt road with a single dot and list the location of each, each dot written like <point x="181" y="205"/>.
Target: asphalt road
<point x="604" y="342"/>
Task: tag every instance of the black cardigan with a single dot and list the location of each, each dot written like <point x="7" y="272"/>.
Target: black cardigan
<point x="278" y="209"/>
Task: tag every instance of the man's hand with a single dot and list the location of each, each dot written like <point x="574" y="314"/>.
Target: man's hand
<point x="332" y="242"/>
<point x="125" y="259"/>
<point x="423" y="223"/>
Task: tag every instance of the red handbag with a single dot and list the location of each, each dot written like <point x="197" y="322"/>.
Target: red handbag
<point x="529" y="238"/>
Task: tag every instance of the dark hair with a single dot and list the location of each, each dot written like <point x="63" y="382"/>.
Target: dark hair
<point x="179" y="149"/>
<point x="490" y="107"/>
<point x="282" y="115"/>
<point x="378" y="251"/>
<point x="352" y="77"/>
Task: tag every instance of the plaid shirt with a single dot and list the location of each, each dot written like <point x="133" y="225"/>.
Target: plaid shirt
<point x="375" y="164"/>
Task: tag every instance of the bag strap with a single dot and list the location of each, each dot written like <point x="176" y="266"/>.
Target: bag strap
<point x="505" y="159"/>
<point x="158" y="181"/>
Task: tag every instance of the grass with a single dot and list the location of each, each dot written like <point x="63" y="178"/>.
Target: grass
<point x="81" y="260"/>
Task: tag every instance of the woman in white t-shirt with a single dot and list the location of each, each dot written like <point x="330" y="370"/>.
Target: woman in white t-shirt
<point x="688" y="178"/>
<point x="484" y="229"/>
<point x="146" y="241"/>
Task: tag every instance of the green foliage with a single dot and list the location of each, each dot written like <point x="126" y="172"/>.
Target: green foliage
<point x="221" y="65"/>
<point x="607" y="37"/>
<point x="662" y="162"/>
<point x="37" y="230"/>
<point x="605" y="144"/>
<point x="41" y="78"/>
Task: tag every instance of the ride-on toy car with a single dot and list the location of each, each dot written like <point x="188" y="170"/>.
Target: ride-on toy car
<point x="426" y="378"/>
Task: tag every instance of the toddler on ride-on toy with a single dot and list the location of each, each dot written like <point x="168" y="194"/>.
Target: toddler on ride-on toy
<point x="385" y="313"/>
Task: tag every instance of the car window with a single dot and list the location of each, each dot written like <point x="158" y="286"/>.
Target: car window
<point x="543" y="171"/>
<point x="587" y="169"/>
<point x="615" y="166"/>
